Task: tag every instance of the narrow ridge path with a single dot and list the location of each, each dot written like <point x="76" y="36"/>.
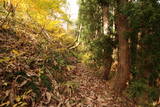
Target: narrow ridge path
<point x="94" y="91"/>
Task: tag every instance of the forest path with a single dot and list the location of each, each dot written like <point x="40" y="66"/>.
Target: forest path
<point x="94" y="91"/>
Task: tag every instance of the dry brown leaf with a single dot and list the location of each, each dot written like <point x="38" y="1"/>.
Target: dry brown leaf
<point x="23" y="83"/>
<point x="59" y="105"/>
<point x="88" y="101"/>
<point x="7" y="93"/>
<point x="12" y="96"/>
<point x="31" y="73"/>
<point x="48" y="97"/>
<point x="68" y="104"/>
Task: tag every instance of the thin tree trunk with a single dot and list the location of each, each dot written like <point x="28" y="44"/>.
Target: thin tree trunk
<point x="121" y="78"/>
<point x="105" y="19"/>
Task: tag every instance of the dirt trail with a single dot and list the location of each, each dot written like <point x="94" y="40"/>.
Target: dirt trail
<point x="95" y="92"/>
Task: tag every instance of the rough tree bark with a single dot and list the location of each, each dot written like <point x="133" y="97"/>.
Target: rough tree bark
<point x="119" y="83"/>
<point x="108" y="64"/>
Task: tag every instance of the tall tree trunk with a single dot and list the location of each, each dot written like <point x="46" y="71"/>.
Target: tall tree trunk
<point x="109" y="60"/>
<point x="121" y="78"/>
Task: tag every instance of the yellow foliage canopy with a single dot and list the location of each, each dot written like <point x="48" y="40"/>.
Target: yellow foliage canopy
<point x="47" y="13"/>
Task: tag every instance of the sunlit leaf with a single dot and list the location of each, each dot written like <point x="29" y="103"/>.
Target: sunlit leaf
<point x="24" y="104"/>
<point x="70" y="67"/>
<point x="15" y="52"/>
<point x="5" y="59"/>
<point x="18" y="98"/>
<point x="5" y="104"/>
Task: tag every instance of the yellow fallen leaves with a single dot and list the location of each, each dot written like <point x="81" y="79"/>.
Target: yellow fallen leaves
<point x="20" y="104"/>
<point x="18" y="99"/>
<point x="5" y="59"/>
<point x="70" y="67"/>
<point x="5" y="104"/>
<point x="4" y="83"/>
<point x="15" y="52"/>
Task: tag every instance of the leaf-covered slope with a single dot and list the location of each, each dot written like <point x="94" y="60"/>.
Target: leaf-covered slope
<point x="29" y="70"/>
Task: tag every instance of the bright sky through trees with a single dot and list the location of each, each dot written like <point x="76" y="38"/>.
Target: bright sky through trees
<point x="73" y="9"/>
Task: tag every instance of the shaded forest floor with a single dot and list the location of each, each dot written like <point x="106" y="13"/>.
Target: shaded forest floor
<point x="93" y="91"/>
